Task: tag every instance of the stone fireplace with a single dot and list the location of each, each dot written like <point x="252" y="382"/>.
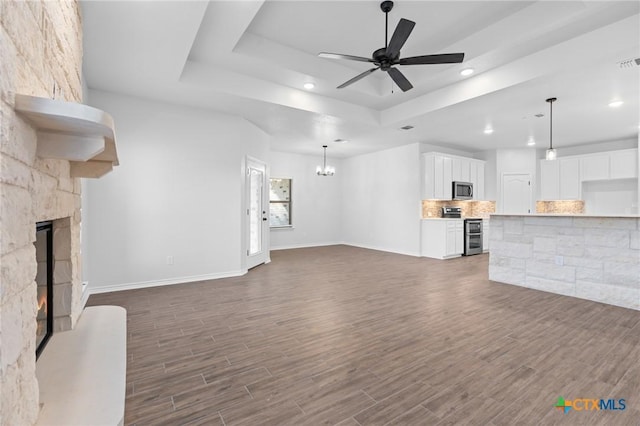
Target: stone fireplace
<point x="40" y="55"/>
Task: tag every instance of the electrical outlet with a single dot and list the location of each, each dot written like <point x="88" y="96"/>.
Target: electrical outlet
<point x="169" y="260"/>
<point x="559" y="260"/>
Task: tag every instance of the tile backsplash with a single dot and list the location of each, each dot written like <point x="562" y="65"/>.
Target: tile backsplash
<point x="560" y="206"/>
<point x="433" y="208"/>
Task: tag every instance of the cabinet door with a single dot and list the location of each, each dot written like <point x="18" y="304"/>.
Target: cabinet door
<point x="438" y="170"/>
<point x="429" y="177"/>
<point x="447" y="169"/>
<point x="456" y="167"/>
<point x="465" y="170"/>
<point x="624" y="164"/>
<point x="549" y="180"/>
<point x="569" y="179"/>
<point x="451" y="238"/>
<point x="459" y="237"/>
<point x="476" y="171"/>
<point x="594" y="167"/>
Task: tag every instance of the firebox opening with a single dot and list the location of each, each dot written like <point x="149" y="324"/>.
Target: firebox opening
<point x="44" y="281"/>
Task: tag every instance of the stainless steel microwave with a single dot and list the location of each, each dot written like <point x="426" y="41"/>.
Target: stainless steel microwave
<point x="462" y="190"/>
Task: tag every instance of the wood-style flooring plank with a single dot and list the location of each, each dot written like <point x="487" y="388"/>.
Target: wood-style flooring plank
<point x="349" y="336"/>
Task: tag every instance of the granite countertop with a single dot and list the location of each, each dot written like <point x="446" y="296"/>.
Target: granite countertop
<point x="627" y="216"/>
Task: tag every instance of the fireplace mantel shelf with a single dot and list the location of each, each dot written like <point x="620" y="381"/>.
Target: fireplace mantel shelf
<point x="70" y="131"/>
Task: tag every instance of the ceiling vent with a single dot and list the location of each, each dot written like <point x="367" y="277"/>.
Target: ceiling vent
<point x="629" y="63"/>
<point x="406" y="127"/>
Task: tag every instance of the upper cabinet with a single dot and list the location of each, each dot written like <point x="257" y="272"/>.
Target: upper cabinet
<point x="569" y="178"/>
<point x="549" y="180"/>
<point x="562" y="179"/>
<point x="594" y="167"/>
<point x="442" y="169"/>
<point x="623" y="164"/>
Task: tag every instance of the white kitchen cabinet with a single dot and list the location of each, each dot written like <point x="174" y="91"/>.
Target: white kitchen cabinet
<point x="460" y="169"/>
<point x="437" y="177"/>
<point x="476" y="176"/>
<point x="549" y="180"/>
<point x="442" y="238"/>
<point x="442" y="169"/>
<point x="623" y="164"/>
<point x="455" y="238"/>
<point x="569" y="178"/>
<point x="594" y="167"/>
<point x="562" y="179"/>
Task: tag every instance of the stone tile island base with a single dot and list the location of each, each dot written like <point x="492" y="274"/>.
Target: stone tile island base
<point x="589" y="257"/>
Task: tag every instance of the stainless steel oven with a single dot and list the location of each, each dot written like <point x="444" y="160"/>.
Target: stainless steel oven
<point x="472" y="236"/>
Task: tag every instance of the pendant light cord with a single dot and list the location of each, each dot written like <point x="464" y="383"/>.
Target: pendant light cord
<point x="551" y="125"/>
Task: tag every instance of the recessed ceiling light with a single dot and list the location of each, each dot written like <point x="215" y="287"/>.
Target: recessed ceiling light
<point x="407" y="127"/>
<point x="467" y="71"/>
<point x="488" y="131"/>
<point x="309" y="86"/>
<point x="615" y="104"/>
<point x="531" y="142"/>
<point x="341" y="140"/>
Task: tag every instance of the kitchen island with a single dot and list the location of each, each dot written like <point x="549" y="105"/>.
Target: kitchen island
<point x="589" y="257"/>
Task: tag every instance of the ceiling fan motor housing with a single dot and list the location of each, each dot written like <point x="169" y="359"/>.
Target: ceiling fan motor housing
<point x="380" y="58"/>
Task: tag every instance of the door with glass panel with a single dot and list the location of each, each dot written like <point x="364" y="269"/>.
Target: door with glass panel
<point x="257" y="213"/>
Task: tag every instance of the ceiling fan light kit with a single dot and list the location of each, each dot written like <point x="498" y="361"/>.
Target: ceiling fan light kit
<point x="551" y="153"/>
<point x="386" y="57"/>
<point x="325" y="170"/>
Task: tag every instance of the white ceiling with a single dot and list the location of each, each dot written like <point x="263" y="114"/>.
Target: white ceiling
<point x="251" y="58"/>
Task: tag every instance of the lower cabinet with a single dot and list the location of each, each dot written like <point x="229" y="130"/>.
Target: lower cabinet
<point x="442" y="238"/>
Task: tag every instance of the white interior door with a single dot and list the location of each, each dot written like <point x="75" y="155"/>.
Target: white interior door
<point x="516" y="193"/>
<point x="257" y="213"/>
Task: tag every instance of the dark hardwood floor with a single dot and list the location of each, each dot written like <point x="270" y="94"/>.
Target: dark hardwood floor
<point x="343" y="335"/>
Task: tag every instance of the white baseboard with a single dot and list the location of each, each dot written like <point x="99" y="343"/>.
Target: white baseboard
<point x="168" y="281"/>
<point x="296" y="246"/>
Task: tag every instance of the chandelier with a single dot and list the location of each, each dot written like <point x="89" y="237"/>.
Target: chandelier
<point x="325" y="170"/>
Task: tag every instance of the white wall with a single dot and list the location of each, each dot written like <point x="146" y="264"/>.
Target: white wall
<point x="316" y="201"/>
<point x="178" y="192"/>
<point x="381" y="200"/>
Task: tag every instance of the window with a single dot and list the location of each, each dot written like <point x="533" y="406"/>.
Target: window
<point x="279" y="202"/>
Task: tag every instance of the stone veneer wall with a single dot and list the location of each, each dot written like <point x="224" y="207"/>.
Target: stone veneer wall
<point x="40" y="55"/>
<point x="595" y="258"/>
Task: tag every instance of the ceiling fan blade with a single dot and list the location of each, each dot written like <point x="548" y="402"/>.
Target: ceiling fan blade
<point x="340" y="56"/>
<point x="400" y="79"/>
<point x="399" y="37"/>
<point x="357" y="77"/>
<point x="445" y="58"/>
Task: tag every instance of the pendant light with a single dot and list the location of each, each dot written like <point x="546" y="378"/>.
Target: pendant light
<point x="551" y="153"/>
<point x="325" y="170"/>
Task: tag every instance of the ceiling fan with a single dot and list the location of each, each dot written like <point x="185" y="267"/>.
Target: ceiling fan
<point x="389" y="55"/>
